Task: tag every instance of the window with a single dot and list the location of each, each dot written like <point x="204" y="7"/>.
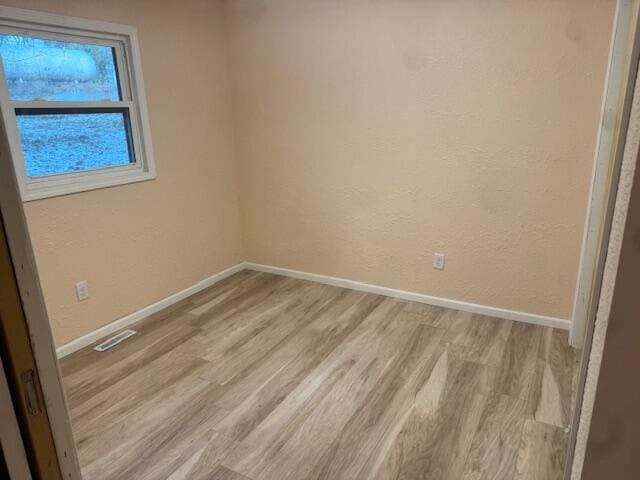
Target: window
<point x="73" y="103"/>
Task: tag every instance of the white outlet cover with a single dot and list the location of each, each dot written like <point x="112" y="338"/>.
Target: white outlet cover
<point x="438" y="261"/>
<point x="82" y="290"/>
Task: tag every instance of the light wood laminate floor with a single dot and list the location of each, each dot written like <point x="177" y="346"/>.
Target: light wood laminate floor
<point x="266" y="377"/>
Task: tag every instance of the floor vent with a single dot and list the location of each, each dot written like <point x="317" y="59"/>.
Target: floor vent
<point x="113" y="341"/>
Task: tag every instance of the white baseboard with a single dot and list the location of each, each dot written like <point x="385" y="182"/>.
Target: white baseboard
<point x="417" y="297"/>
<point x="134" y="317"/>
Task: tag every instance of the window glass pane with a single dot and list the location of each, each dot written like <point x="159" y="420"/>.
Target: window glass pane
<point x="71" y="142"/>
<point x="39" y="69"/>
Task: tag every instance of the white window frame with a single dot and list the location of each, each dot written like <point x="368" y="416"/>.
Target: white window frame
<point x="124" y="40"/>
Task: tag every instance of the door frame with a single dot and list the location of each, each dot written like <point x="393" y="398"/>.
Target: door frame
<point x="31" y="314"/>
<point x="611" y="416"/>
<point x="600" y="216"/>
<point x="606" y="167"/>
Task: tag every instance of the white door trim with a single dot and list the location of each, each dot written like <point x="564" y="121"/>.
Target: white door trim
<point x="608" y="156"/>
<point x="594" y="329"/>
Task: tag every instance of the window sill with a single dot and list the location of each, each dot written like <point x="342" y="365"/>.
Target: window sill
<point x="68" y="184"/>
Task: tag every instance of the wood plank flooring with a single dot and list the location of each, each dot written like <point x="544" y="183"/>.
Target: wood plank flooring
<point x="266" y="377"/>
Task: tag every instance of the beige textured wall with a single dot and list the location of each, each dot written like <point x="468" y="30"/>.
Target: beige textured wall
<point x="138" y="243"/>
<point x="362" y="137"/>
<point x="372" y="134"/>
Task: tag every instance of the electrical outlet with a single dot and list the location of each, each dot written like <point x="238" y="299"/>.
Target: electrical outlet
<point x="82" y="290"/>
<point x="438" y="261"/>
